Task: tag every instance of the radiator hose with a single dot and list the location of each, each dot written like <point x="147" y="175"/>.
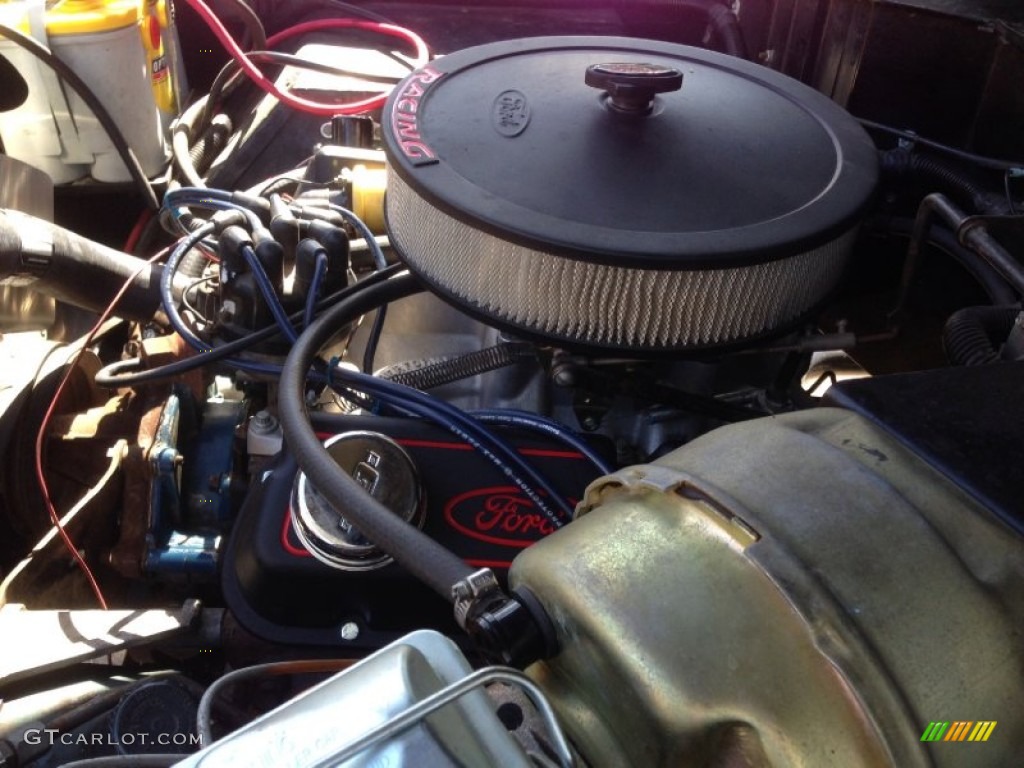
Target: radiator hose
<point x="55" y="261"/>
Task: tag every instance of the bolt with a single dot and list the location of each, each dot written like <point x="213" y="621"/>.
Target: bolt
<point x="349" y="631"/>
<point x="263" y="423"/>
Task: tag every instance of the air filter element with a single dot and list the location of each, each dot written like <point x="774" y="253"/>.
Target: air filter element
<point x="625" y="194"/>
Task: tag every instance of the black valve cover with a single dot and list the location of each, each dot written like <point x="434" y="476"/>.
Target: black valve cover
<point x="280" y="592"/>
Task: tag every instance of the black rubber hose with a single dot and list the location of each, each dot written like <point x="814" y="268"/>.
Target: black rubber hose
<point x="947" y="176"/>
<point x="213" y="139"/>
<point x="973" y="336"/>
<point x="727" y="28"/>
<point x="199" y="158"/>
<point x="981" y="161"/>
<point x="420" y="555"/>
<point x="59" y="263"/>
<point x="374" y="339"/>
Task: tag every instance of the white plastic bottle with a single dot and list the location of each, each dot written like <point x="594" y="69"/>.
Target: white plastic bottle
<point x="41" y="131"/>
<point x="113" y="46"/>
<point x="118" y="48"/>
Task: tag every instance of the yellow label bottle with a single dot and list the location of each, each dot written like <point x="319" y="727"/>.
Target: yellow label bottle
<point x="117" y="47"/>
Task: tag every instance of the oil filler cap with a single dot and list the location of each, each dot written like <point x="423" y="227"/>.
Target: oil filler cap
<point x="384" y="469"/>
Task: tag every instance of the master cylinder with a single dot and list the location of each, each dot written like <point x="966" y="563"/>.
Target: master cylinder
<point x="795" y="591"/>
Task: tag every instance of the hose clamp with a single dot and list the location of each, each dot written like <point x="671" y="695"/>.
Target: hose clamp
<point x="478" y="587"/>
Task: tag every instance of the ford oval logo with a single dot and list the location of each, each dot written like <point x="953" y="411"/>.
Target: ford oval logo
<point x="501" y="515"/>
<point x="511" y="113"/>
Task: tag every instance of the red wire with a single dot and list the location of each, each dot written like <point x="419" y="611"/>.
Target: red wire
<point x="422" y="54"/>
<point x="54" y="517"/>
<point x="297" y="102"/>
<point x="136" y="234"/>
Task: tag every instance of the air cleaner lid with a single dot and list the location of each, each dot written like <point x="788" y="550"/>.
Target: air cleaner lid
<point x="739" y="165"/>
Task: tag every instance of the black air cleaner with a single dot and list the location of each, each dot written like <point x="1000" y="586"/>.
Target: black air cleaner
<point x="621" y="193"/>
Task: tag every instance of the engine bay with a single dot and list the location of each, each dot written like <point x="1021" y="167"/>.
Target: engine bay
<point x="617" y="383"/>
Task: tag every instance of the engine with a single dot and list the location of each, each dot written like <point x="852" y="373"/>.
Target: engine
<point x="597" y="399"/>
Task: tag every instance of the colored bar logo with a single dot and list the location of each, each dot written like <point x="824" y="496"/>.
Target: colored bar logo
<point x="959" y="730"/>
